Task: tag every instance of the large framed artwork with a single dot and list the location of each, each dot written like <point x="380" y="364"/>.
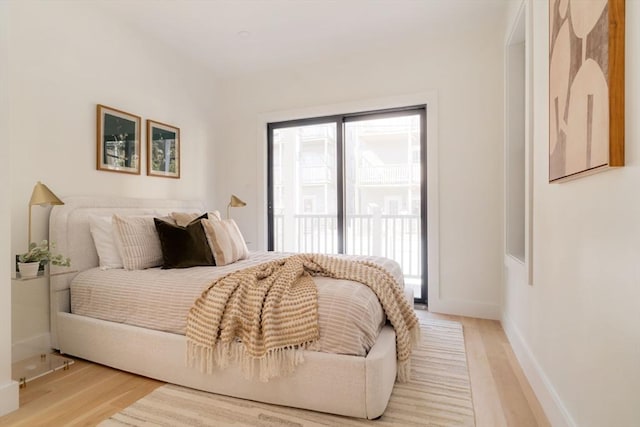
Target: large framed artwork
<point x="586" y="87"/>
<point x="118" y="147"/>
<point x="163" y="150"/>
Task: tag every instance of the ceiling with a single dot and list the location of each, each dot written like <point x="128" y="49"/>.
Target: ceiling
<point x="241" y="36"/>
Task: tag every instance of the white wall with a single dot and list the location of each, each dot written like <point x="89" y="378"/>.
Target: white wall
<point x="8" y="388"/>
<point x="466" y="73"/>
<point x="576" y="331"/>
<point x="68" y="56"/>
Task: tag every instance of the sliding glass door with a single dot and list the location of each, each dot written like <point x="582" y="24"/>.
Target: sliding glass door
<point x="304" y="202"/>
<point x="351" y="184"/>
<point x="382" y="191"/>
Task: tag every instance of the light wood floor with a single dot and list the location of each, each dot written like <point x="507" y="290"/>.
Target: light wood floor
<point x="88" y="393"/>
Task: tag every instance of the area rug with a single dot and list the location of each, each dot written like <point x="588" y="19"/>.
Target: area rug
<point x="439" y="394"/>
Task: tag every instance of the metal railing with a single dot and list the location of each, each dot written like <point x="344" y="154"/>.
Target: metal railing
<point x="392" y="236"/>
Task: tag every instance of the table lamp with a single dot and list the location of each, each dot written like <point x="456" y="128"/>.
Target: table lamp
<point x="235" y="203"/>
<point x="41" y="196"/>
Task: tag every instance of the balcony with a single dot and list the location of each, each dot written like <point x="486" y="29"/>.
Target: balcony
<point x="315" y="175"/>
<point x="393" y="236"/>
<point x="388" y="175"/>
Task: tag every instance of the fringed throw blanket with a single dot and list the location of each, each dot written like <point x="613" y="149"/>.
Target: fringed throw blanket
<point x="271" y="309"/>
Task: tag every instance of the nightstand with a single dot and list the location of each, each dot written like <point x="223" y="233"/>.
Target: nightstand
<point x="16" y="275"/>
<point x="36" y="366"/>
<point x="30" y="328"/>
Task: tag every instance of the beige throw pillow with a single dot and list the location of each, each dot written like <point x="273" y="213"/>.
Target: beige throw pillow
<point x="138" y="242"/>
<point x="225" y="240"/>
<point x="184" y="218"/>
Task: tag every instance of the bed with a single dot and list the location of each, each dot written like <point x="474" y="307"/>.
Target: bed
<point x="351" y="385"/>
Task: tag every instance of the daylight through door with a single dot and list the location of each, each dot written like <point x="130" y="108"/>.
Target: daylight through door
<point x="352" y="184"/>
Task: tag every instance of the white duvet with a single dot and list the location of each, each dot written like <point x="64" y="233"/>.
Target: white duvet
<point x="350" y="316"/>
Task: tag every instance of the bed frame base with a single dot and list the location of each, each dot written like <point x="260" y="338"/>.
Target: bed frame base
<point x="344" y="385"/>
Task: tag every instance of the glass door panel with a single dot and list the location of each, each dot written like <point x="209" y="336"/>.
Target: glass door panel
<point x="305" y="194"/>
<point x="383" y="192"/>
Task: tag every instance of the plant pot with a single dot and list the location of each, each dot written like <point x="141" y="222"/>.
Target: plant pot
<point x="28" y="269"/>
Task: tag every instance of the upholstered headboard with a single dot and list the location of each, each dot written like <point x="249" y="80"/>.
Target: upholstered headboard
<point x="69" y="230"/>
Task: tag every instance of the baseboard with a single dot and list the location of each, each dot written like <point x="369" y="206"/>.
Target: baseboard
<point x="465" y="308"/>
<point x="9" y="397"/>
<point x="31" y="347"/>
<point x="551" y="403"/>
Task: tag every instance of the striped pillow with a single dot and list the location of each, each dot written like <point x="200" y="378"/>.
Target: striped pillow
<point x="138" y="241"/>
<point x="225" y="240"/>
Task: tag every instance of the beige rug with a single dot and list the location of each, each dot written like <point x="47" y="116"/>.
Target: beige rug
<point x="439" y="394"/>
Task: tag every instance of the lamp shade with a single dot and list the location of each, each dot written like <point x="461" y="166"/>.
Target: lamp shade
<point x="236" y="202"/>
<point x="41" y="195"/>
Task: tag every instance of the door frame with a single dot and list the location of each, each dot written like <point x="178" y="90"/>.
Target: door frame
<point x="436" y="302"/>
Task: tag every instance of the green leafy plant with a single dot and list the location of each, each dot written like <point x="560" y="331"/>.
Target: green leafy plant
<point x="41" y="253"/>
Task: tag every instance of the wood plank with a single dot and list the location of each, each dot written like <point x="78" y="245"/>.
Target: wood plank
<point x="515" y="404"/>
<point x="534" y="404"/>
<point x="85" y="394"/>
<point x="486" y="400"/>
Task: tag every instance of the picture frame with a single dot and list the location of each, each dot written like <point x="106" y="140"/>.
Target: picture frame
<point x="118" y="140"/>
<point x="586" y="87"/>
<point x="163" y="150"/>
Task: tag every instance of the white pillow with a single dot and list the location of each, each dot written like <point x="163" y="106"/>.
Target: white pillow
<point x="138" y="241"/>
<point x="102" y="231"/>
<point x="225" y="240"/>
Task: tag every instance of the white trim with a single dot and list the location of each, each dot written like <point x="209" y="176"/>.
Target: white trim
<point x="8" y="388"/>
<point x="552" y="405"/>
<point x="9" y="400"/>
<point x="528" y="128"/>
<point x="517" y="35"/>
<point x="513" y="263"/>
<point x="31" y="346"/>
<point x="466" y="308"/>
<point x="430" y="99"/>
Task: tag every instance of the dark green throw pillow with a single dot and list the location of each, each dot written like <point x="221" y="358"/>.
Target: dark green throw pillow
<point x="184" y="247"/>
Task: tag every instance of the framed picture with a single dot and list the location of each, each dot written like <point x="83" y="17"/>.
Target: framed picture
<point x="163" y="150"/>
<point x="586" y="87"/>
<point x="118" y="148"/>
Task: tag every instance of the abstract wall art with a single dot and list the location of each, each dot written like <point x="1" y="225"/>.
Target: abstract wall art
<point x="586" y="87"/>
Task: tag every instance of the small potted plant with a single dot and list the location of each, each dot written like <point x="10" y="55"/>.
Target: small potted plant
<point x="39" y="254"/>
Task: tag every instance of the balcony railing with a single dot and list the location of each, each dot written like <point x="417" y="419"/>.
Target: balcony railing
<point x="393" y="236"/>
<point x="389" y="174"/>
